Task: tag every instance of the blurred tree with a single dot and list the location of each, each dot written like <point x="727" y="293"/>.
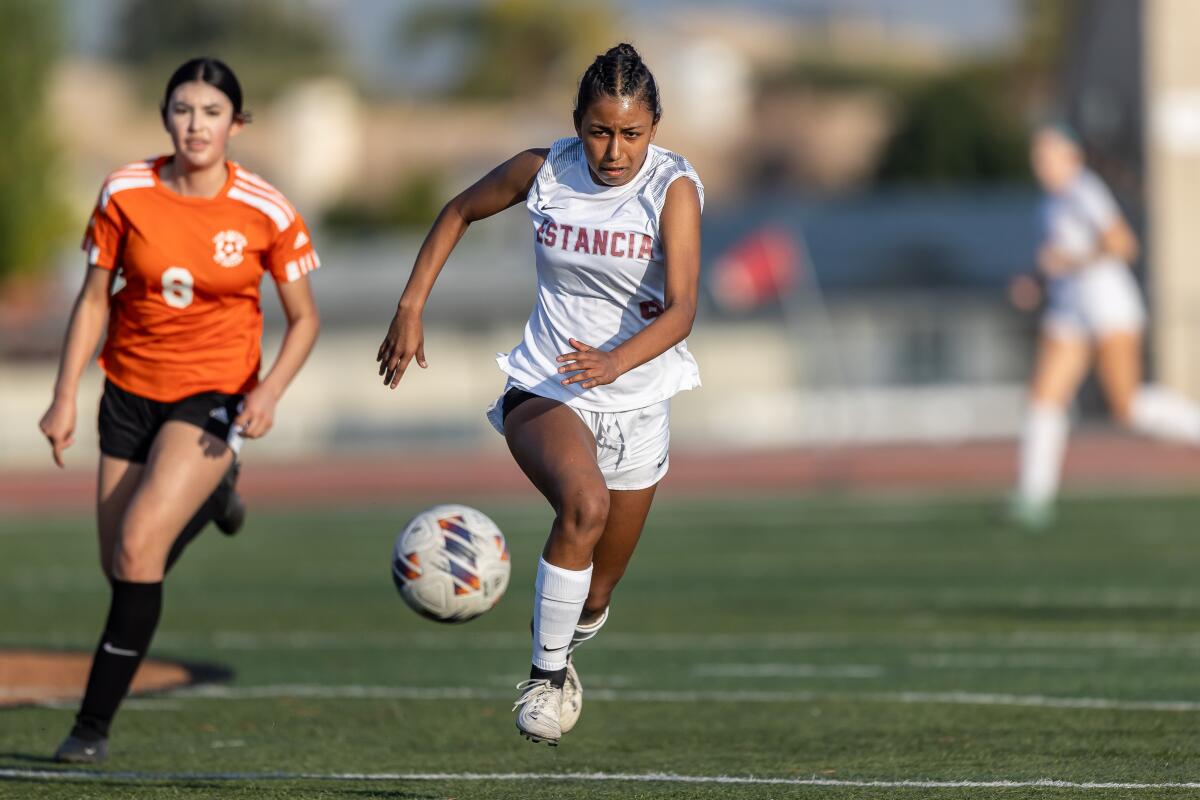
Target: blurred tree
<point x="513" y="47"/>
<point x="31" y="214"/>
<point x="414" y="204"/>
<point x="1047" y="32"/>
<point x="958" y="128"/>
<point x="269" y="43"/>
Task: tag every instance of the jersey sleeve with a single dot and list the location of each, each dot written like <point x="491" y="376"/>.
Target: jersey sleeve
<point x="292" y="256"/>
<point x="104" y="236"/>
<point x="1097" y="203"/>
<point x="672" y="168"/>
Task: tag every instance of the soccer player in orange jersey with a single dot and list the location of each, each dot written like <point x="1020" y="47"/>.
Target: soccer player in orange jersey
<point x="176" y="247"/>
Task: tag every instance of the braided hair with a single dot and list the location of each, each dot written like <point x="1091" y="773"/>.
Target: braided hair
<point x="620" y="73"/>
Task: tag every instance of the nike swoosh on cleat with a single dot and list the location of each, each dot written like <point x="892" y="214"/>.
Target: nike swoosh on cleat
<point x="117" y="651"/>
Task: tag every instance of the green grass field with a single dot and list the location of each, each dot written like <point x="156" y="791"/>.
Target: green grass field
<point x="844" y="640"/>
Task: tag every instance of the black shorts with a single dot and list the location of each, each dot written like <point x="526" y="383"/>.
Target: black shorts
<point x="129" y="422"/>
<point x="513" y="398"/>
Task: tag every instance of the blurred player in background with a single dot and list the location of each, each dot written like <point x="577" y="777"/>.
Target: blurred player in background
<point x="177" y="247"/>
<point x="585" y="411"/>
<point x="1094" y="310"/>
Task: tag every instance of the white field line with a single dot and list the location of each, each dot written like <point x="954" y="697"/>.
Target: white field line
<point x="321" y="692"/>
<point x="788" y="670"/>
<point x="577" y="777"/>
<point x="1002" y="661"/>
<point x="1124" y="643"/>
<point x="688" y="642"/>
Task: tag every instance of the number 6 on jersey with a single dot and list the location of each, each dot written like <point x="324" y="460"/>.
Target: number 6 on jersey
<point x="177" y="287"/>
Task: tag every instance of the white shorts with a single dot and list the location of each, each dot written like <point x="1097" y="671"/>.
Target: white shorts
<point x="1097" y="301"/>
<point x="632" y="447"/>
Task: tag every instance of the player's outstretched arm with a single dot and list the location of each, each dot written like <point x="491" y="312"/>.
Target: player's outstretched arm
<point x="680" y="228"/>
<point x="88" y="320"/>
<point x="503" y="187"/>
<point x="303" y="325"/>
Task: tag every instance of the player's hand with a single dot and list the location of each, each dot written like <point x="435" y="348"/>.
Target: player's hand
<point x="590" y="367"/>
<point x="405" y="341"/>
<point x="58" y="425"/>
<point x="258" y="412"/>
<point x="1053" y="262"/>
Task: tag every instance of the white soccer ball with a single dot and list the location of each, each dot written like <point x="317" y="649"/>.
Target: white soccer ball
<point x="450" y="563"/>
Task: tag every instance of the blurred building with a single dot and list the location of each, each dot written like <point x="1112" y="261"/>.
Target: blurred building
<point x="900" y="328"/>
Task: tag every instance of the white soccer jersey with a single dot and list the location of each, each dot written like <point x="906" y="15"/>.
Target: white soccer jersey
<point x="600" y="278"/>
<point x="1101" y="296"/>
<point x="1076" y="217"/>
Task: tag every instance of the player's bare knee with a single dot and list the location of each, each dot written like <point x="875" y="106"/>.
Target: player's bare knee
<point x="138" y="567"/>
<point x="138" y="558"/>
<point x="583" y="516"/>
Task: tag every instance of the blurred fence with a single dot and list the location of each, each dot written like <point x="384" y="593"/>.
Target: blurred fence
<point x="870" y="360"/>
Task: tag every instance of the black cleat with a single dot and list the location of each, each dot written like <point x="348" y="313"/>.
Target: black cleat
<point x="75" y="750"/>
<point x="229" y="511"/>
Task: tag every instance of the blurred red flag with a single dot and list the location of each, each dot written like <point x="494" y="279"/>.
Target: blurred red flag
<point x="759" y="267"/>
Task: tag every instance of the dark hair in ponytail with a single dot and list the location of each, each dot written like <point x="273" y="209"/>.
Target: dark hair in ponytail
<point x="618" y="73"/>
<point x="214" y="72"/>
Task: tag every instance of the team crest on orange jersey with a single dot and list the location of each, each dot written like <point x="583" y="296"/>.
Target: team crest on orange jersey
<point x="230" y="245"/>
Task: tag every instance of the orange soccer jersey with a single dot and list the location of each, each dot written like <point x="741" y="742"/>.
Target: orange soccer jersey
<point x="185" y="315"/>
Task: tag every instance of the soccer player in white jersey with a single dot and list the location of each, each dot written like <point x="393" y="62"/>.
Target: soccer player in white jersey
<point x="1094" y="308"/>
<point x="616" y="239"/>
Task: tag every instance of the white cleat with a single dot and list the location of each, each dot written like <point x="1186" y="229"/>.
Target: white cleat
<point x="538" y="709"/>
<point x="1030" y="515"/>
<point x="572" y="699"/>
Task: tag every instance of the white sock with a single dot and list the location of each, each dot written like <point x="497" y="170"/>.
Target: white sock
<point x="1163" y="413"/>
<point x="585" y="632"/>
<point x="1043" y="443"/>
<point x="557" y="604"/>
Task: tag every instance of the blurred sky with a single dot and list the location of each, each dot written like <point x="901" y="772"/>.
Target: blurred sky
<point x="368" y="27"/>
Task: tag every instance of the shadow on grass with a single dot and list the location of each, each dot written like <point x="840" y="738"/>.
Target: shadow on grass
<point x="198" y="673"/>
<point x="120" y="787"/>
<point x="28" y="758"/>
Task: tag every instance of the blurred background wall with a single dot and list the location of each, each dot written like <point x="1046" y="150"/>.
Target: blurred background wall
<point x="869" y="208"/>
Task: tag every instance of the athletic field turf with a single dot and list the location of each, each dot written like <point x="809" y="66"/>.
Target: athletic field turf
<point x="841" y="648"/>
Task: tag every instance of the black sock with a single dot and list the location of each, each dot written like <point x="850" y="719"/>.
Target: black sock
<point x="132" y="618"/>
<point x="191" y="530"/>
<point x="557" y="677"/>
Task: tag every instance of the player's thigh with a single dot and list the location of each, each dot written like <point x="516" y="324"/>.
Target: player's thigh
<point x="117" y="482"/>
<point x="627" y="513"/>
<point x="1062" y="361"/>
<point x="184" y="467"/>
<point x="555" y="450"/>
<point x="1119" y="369"/>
